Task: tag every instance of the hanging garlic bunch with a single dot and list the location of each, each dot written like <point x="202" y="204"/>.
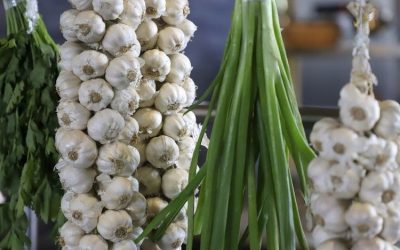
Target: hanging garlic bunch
<point x="125" y="139"/>
<point x="356" y="178"/>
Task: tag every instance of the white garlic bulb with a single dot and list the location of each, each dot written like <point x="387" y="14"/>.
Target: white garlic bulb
<point x="155" y="206"/>
<point x="371" y="244"/>
<point x="173" y="238"/>
<point x="81" y="209"/>
<point x="76" y="148"/>
<point x="130" y="133"/>
<point x="176" y="11"/>
<point x="358" y="111"/>
<point x="149" y="179"/>
<point x="115" y="226"/>
<point x="190" y="90"/>
<point x="343" y="145"/>
<point x="188" y="28"/>
<point x="67" y="86"/>
<point x="68" y="51"/>
<point x="150" y="122"/>
<point x="73" y="179"/>
<point x="124" y="245"/>
<point x="124" y="71"/>
<point x="91" y="241"/>
<point x="137" y="208"/>
<point x="149" y="245"/>
<point x="116" y="193"/>
<point x="318" y="174"/>
<point x="108" y="9"/>
<point x="378" y="155"/>
<point x="126" y="101"/>
<point x="141" y="145"/>
<point x="171" y="98"/>
<point x="332" y="245"/>
<point x="117" y="159"/>
<point x="105" y="126"/>
<point x="171" y="40"/>
<point x="95" y="94"/>
<point x="81" y="4"/>
<point x="320" y="235"/>
<point x="186" y="146"/>
<point x="319" y="133"/>
<point x="67" y="25"/>
<point x="89" y="27"/>
<point x="343" y="181"/>
<point x="133" y="14"/>
<point x="147" y="35"/>
<point x="70" y="234"/>
<point x="147" y="92"/>
<point x="380" y="188"/>
<point x="175" y="126"/>
<point x="72" y="115"/>
<point x="391" y="228"/>
<point x="181" y="68"/>
<point x="162" y="152"/>
<point x="155" y="8"/>
<point x="388" y="125"/>
<point x="157" y="65"/>
<point x="363" y="220"/>
<point x="119" y="39"/>
<point x="90" y="64"/>
<point x="173" y="182"/>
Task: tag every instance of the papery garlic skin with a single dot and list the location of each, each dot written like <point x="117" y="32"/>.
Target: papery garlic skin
<point x="76" y="148"/>
<point x="118" y="159"/>
<point x="90" y="27"/>
<point x="190" y="89"/>
<point x="388" y="125"/>
<point x="67" y="26"/>
<point x="116" y="193"/>
<point x="95" y="94"/>
<point x="155" y="8"/>
<point x="150" y="122"/>
<point x="81" y="4"/>
<point x="171" y="98"/>
<point x="91" y="241"/>
<point x="186" y="146"/>
<point x="72" y="115"/>
<point x="176" y="11"/>
<point x="119" y="39"/>
<point x="105" y="126"/>
<point x="173" y="238"/>
<point x="90" y="64"/>
<point x="318" y="174"/>
<point x="391" y="228"/>
<point x="147" y="35"/>
<point x="332" y="245"/>
<point x="124" y="71"/>
<point x="67" y="86"/>
<point x="124" y="245"/>
<point x="141" y="148"/>
<point x="173" y="182"/>
<point x="149" y="179"/>
<point x="319" y="133"/>
<point x="343" y="145"/>
<point x="137" y="208"/>
<point x="154" y="206"/>
<point x="363" y="220"/>
<point x="133" y="14"/>
<point x="76" y="180"/>
<point x="130" y="133"/>
<point x="157" y="65"/>
<point x="70" y="234"/>
<point x="108" y="9"/>
<point x="188" y="28"/>
<point x="343" y="181"/>
<point x="171" y="40"/>
<point x="181" y="68"/>
<point x="175" y="127"/>
<point x="115" y="226"/>
<point x="380" y="188"/>
<point x="371" y="244"/>
<point x="68" y="51"/>
<point x="320" y="235"/>
<point x="126" y="101"/>
<point x="162" y="152"/>
<point x="378" y="155"/>
<point x="147" y="92"/>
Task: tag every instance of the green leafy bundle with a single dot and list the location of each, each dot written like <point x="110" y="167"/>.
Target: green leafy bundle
<point x="256" y="130"/>
<point x="28" y="71"/>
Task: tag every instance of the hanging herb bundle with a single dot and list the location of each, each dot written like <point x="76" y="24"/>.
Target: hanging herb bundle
<point x="28" y="71"/>
<point x="257" y="128"/>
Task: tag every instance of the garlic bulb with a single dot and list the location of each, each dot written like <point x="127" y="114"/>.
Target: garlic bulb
<point x="155" y="206"/>
<point x="115" y="226"/>
<point x="391" y="228"/>
<point x="358" y="111"/>
<point x="91" y="241"/>
<point x="157" y="65"/>
<point x="133" y="14"/>
<point x="162" y="152"/>
<point x="81" y="209"/>
<point x="188" y="28"/>
<point x="67" y="86"/>
<point x="155" y="8"/>
<point x="124" y="245"/>
<point x="75" y="179"/>
<point x="171" y="98"/>
<point x="175" y="126"/>
<point x="173" y="182"/>
<point x="171" y="40"/>
<point x="117" y="159"/>
<point x="149" y="179"/>
<point x="147" y="34"/>
<point x="70" y="234"/>
<point x="137" y="208"/>
<point x="388" y="125"/>
<point x="181" y="68"/>
<point x="105" y="126"/>
<point x="173" y="238"/>
<point x="89" y="27"/>
<point x="124" y="71"/>
<point x="67" y="25"/>
<point x="371" y="244"/>
<point x="116" y="193"/>
<point x="150" y="122"/>
<point x="95" y="94"/>
<point x="81" y="4"/>
<point x="378" y="155"/>
<point x="126" y="101"/>
<point x="76" y="148"/>
<point x="68" y="51"/>
<point x="130" y="133"/>
<point x="90" y="64"/>
<point x="149" y="245"/>
<point x="141" y="145"/>
<point x="147" y="92"/>
<point x="380" y="188"/>
<point x="363" y="220"/>
<point x="319" y="133"/>
<point x="119" y="39"/>
<point x="186" y="146"/>
<point x="320" y="235"/>
<point x="72" y="115"/>
<point x="317" y="173"/>
<point x="332" y="245"/>
<point x="108" y="9"/>
<point x="190" y="90"/>
<point x="176" y="11"/>
<point x="343" y="181"/>
<point x="343" y="145"/>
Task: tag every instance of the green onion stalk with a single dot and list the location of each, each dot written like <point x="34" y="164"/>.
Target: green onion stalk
<point x="28" y="71"/>
<point x="257" y="129"/>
